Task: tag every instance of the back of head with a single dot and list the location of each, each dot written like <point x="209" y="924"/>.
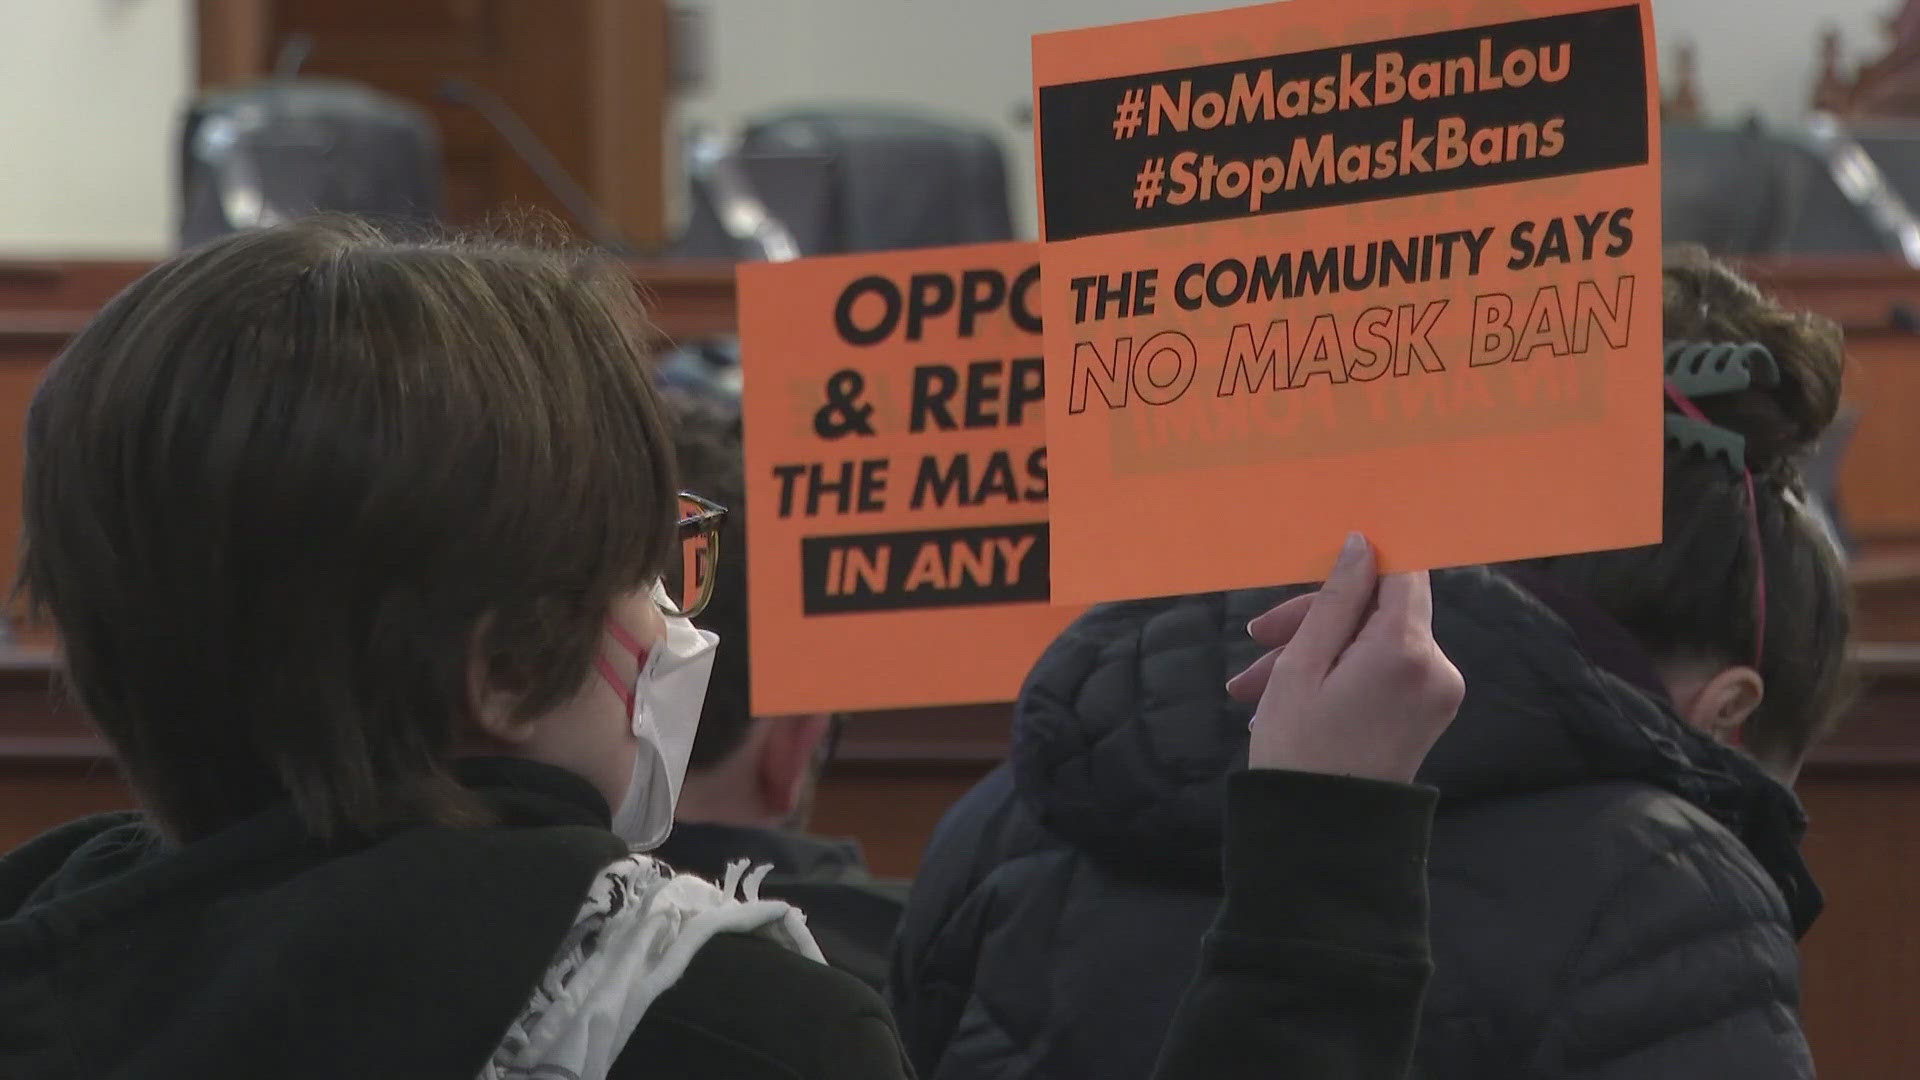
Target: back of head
<point x="288" y="491"/>
<point x="1699" y="594"/>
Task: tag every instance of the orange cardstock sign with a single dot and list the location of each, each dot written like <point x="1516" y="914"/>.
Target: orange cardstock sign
<point x="896" y="478"/>
<point x="1327" y="265"/>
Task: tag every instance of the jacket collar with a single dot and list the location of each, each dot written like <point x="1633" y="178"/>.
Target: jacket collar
<point x="526" y="793"/>
<point x="1603" y="640"/>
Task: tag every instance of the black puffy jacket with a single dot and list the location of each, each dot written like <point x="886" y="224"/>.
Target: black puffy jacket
<point x="1613" y="894"/>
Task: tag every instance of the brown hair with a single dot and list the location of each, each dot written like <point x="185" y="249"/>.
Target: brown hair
<point x="1694" y="596"/>
<point x="283" y="489"/>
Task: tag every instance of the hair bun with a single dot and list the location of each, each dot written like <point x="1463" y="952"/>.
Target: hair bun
<point x="1704" y="300"/>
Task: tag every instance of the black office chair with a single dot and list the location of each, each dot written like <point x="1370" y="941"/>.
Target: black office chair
<point x="1749" y="191"/>
<point x="282" y="148"/>
<point x="818" y="181"/>
<point x="901" y="179"/>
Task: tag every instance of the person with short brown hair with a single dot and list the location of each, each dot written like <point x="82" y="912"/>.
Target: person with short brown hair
<point x="279" y="483"/>
<point x="359" y="551"/>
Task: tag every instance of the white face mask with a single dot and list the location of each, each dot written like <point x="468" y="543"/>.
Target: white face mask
<point x="665" y="713"/>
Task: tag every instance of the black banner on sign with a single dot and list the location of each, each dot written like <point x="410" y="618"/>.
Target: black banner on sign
<point x="996" y="564"/>
<point x="1438" y="112"/>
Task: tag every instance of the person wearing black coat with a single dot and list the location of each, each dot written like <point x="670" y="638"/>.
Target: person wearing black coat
<point x="256" y="952"/>
<point x="1612" y="894"/>
<point x="1615" y="878"/>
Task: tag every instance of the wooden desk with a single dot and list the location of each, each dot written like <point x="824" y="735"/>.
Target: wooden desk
<point x="1857" y="291"/>
<point x="43" y="302"/>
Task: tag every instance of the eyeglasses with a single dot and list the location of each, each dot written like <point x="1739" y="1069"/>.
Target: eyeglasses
<point x="689" y="580"/>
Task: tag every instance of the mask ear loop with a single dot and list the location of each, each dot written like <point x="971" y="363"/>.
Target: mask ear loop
<point x="1691" y="411"/>
<point x="624" y="690"/>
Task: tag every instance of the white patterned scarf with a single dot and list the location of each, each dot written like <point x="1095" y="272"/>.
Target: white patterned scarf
<point x="639" y="928"/>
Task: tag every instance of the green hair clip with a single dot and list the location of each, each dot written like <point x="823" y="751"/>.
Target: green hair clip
<point x="1698" y="369"/>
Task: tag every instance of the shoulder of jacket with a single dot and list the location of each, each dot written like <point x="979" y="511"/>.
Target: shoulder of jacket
<point x="1565" y="871"/>
<point x="1644" y="876"/>
<point x="749" y="1007"/>
<point x="1608" y="828"/>
<point x="1546" y="907"/>
<point x="1687" y="953"/>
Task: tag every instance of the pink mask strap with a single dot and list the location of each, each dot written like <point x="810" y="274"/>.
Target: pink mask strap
<point x="1690" y="410"/>
<point x="627" y="641"/>
<point x="600" y="662"/>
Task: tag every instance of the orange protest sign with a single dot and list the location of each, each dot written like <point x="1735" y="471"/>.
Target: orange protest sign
<point x="896" y="478"/>
<point x="1328" y="265"/>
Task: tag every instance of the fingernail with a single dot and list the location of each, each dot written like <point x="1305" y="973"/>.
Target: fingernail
<point x="1250" y="623"/>
<point x="1354" y="548"/>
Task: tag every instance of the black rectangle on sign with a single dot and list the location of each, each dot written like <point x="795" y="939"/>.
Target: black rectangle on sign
<point x="996" y="564"/>
<point x="1095" y="177"/>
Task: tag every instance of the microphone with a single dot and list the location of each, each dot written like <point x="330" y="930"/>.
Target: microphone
<point x="529" y="149"/>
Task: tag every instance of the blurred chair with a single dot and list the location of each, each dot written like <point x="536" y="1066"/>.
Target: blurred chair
<point x="1876" y="168"/>
<point x="752" y="207"/>
<point x="824" y="181"/>
<point x="821" y="181"/>
<point x="278" y="149"/>
<point x="1749" y="191"/>
<point x="902" y="179"/>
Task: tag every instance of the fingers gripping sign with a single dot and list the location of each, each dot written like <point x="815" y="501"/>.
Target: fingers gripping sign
<point x="1353" y="683"/>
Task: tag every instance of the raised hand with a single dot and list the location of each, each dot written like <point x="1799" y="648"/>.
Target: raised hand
<point x="1353" y="683"/>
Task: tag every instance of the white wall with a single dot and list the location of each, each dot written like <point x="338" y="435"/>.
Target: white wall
<point x="1763" y="56"/>
<point x="89" y="96"/>
<point x="970" y="57"/>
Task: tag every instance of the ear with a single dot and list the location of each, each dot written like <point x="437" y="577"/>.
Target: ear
<point x="1724" y="702"/>
<point x="493" y="695"/>
<point x="788" y="746"/>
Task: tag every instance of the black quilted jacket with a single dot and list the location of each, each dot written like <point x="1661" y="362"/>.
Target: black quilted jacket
<point x="1613" y="895"/>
